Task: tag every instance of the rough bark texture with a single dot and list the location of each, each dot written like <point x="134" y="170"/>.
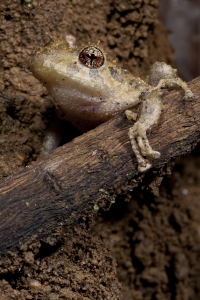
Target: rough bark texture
<point x="63" y="186"/>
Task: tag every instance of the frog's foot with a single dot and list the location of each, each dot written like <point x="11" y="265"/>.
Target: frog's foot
<point x="146" y="149"/>
<point x="143" y="164"/>
<point x="141" y="147"/>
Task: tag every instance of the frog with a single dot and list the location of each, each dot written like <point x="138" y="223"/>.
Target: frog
<point x="88" y="89"/>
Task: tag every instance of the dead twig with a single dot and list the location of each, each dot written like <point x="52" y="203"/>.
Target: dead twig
<point x="66" y="184"/>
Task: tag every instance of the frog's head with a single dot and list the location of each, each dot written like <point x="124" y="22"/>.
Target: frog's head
<point x="59" y="64"/>
<point x="81" y="79"/>
<point x="84" y="68"/>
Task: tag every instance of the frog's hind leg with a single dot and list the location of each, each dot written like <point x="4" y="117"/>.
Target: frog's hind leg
<point x="164" y="76"/>
<point x="161" y="76"/>
<point x="173" y="83"/>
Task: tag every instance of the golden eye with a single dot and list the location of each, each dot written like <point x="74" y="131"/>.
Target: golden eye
<point x="91" y="57"/>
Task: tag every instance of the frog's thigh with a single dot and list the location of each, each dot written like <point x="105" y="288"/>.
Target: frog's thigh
<point x="161" y="70"/>
<point x="163" y="75"/>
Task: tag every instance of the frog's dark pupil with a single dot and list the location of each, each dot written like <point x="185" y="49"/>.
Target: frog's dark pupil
<point x="91" y="56"/>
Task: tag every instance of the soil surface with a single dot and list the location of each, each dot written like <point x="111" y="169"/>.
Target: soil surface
<point x="145" y="247"/>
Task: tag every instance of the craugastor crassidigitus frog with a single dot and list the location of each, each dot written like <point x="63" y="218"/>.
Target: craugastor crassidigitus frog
<point x="89" y="89"/>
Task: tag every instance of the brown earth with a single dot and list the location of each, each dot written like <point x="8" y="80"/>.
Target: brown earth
<point x="153" y="242"/>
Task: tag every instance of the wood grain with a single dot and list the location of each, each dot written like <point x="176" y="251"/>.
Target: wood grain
<point x="63" y="186"/>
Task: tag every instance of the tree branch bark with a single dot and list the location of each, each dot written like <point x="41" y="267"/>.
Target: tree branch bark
<point x="63" y="186"/>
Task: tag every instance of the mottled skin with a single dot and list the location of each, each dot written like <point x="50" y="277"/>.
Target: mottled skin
<point x="87" y="97"/>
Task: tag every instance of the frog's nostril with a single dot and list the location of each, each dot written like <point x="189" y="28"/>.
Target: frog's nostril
<point x="91" y="57"/>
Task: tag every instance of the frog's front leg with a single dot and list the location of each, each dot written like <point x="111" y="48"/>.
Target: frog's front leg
<point x="149" y="114"/>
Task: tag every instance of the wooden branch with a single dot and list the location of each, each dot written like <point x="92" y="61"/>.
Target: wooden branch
<point x="66" y="184"/>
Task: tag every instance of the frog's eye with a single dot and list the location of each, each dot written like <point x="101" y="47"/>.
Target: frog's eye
<point x="91" y="57"/>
